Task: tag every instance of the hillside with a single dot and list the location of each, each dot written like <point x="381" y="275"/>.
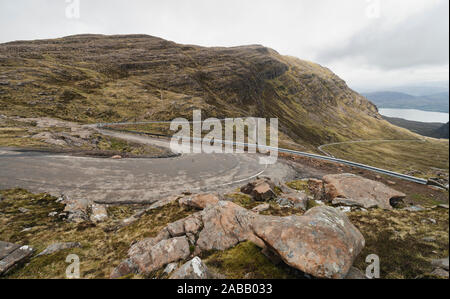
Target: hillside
<point x="435" y="130"/>
<point x="93" y="78"/>
<point x="437" y="102"/>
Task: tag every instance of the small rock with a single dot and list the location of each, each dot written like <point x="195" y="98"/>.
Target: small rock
<point x="284" y="202"/>
<point x="117" y="157"/>
<point x="53" y="248"/>
<point x="440" y="273"/>
<point x="344" y="209"/>
<point x="53" y="214"/>
<point x="261" y="208"/>
<point x="260" y="190"/>
<point x="443" y="207"/>
<point x="23" y="210"/>
<point x="176" y="229"/>
<point x="342" y="189"/>
<point x="414" y="209"/>
<point x="99" y="213"/>
<point x="296" y="200"/>
<point x="194" y="269"/>
<point x="433" y="221"/>
<point x="442" y="263"/>
<point x="429" y="239"/>
<point x="76" y="209"/>
<point x="391" y="183"/>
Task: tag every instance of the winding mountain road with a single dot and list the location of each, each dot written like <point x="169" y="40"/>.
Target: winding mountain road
<point x="130" y="181"/>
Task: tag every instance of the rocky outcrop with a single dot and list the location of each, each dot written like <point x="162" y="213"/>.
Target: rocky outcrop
<point x="12" y="255"/>
<point x="323" y="242"/>
<point x="352" y="190"/>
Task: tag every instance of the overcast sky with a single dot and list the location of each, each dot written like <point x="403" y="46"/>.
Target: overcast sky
<point x="369" y="43"/>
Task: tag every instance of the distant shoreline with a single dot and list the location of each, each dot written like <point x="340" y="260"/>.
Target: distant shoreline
<point x="415" y="115"/>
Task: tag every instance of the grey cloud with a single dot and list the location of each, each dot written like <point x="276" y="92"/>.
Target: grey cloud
<point x="422" y="39"/>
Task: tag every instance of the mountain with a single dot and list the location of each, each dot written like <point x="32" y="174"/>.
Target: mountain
<point x="418" y="89"/>
<point x="96" y="78"/>
<point x="438" y="102"/>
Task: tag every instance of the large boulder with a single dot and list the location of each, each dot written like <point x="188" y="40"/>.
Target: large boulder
<point x="260" y="190"/>
<point x="351" y="190"/>
<point x="161" y="254"/>
<point x="225" y="225"/>
<point x="322" y="243"/>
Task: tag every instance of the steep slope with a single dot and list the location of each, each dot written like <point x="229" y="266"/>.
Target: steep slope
<point x="92" y="78"/>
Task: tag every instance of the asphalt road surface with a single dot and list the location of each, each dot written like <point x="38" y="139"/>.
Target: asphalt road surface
<point x="131" y="180"/>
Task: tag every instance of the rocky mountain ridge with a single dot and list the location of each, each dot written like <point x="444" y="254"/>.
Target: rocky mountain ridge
<point x="92" y="78"/>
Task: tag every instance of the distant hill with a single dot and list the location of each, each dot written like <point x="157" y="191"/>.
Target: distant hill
<point x="435" y="130"/>
<point x="442" y="132"/>
<point x="417" y="90"/>
<point x="438" y="102"/>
